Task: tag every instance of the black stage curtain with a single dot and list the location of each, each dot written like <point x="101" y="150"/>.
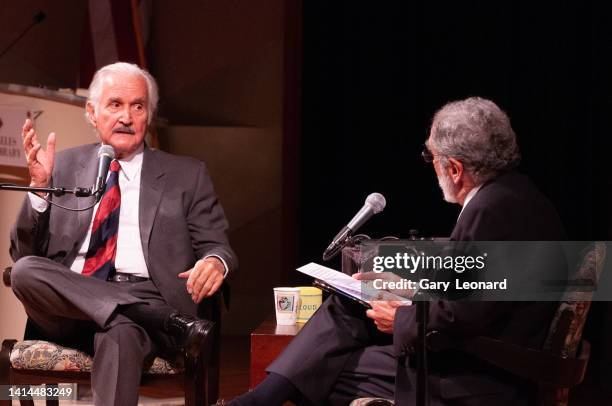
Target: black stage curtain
<point x="374" y="74"/>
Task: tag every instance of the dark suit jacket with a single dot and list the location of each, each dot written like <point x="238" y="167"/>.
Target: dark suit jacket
<point x="180" y="218"/>
<point x="507" y="208"/>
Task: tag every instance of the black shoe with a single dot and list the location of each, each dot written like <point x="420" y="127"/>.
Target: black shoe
<point x="192" y="334"/>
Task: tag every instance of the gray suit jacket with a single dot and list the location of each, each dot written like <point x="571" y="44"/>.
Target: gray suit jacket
<point x="180" y="217"/>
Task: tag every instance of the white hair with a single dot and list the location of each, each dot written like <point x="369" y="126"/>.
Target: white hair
<point x="95" y="88"/>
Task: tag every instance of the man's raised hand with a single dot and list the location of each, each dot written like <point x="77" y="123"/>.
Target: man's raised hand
<point x="40" y="161"/>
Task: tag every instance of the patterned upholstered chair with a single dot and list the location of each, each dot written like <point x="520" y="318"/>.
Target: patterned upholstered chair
<point x="565" y="335"/>
<point x="37" y="362"/>
<point x="561" y="363"/>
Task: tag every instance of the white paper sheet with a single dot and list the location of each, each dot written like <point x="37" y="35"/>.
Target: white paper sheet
<point x="353" y="287"/>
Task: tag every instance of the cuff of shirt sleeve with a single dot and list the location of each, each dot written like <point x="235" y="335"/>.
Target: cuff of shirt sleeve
<point x="38" y="203"/>
<point x="222" y="261"/>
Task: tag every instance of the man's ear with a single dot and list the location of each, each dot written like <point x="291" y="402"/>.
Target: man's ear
<point x="455" y="170"/>
<point x="91" y="114"/>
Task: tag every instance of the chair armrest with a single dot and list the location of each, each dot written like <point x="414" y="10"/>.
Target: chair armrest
<point x="6" y="276"/>
<point x="536" y="365"/>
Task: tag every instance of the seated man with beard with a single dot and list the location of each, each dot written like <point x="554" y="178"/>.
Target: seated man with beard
<point x="345" y="352"/>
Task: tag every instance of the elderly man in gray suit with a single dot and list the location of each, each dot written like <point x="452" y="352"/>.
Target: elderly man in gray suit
<point x="125" y="278"/>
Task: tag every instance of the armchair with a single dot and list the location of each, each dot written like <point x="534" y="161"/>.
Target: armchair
<point x="35" y="362"/>
<point x="555" y="368"/>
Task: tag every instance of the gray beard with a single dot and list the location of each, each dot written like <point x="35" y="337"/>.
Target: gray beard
<point x="448" y="188"/>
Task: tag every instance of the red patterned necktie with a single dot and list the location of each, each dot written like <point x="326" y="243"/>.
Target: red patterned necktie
<point x="100" y="257"/>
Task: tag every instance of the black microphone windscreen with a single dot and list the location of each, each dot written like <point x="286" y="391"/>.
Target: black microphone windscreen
<point x="38" y="17"/>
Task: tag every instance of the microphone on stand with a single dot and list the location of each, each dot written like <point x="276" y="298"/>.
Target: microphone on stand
<point x="106" y="154"/>
<point x="374" y="203"/>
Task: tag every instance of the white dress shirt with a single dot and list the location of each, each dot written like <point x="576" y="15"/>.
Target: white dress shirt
<point x="130" y="257"/>
<point x="469" y="197"/>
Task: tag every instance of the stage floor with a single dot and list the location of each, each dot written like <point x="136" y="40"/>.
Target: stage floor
<point x="235" y="381"/>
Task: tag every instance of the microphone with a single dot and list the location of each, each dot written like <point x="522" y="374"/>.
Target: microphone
<point x="374" y="203"/>
<point x="105" y="155"/>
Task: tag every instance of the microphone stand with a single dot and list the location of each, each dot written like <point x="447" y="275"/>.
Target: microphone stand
<point x="422" y="387"/>
<point x="56" y="191"/>
<point x="37" y="18"/>
<point x="422" y="311"/>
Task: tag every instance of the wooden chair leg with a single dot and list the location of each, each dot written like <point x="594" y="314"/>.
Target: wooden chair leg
<point x="26" y="402"/>
<point x="212" y="368"/>
<point x="5" y="366"/>
<point x="194" y="383"/>
<point x="52" y="402"/>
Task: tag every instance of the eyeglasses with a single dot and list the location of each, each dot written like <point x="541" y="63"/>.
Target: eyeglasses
<point x="427" y="155"/>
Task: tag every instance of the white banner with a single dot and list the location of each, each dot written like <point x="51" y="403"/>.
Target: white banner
<point x="11" y="122"/>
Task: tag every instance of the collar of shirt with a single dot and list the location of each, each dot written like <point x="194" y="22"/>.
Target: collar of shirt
<point x="131" y="165"/>
<point x="469" y="197"/>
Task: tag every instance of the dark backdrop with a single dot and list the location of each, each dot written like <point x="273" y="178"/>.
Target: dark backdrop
<point x="374" y="73"/>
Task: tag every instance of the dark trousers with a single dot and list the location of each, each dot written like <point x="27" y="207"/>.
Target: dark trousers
<point x="80" y="311"/>
<point x="338" y="356"/>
